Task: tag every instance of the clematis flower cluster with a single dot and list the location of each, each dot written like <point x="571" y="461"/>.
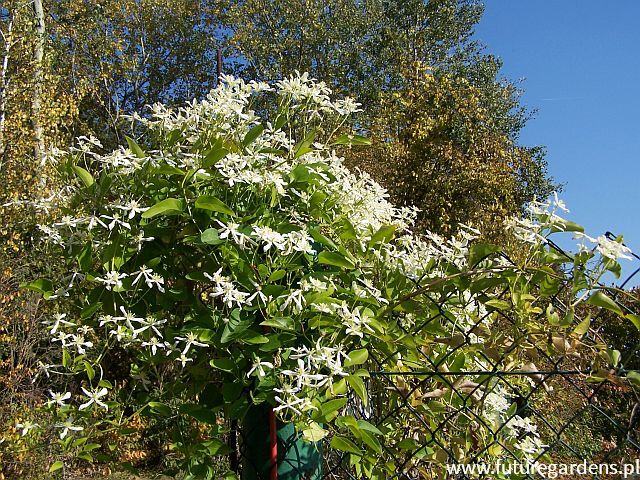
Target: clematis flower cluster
<point x="315" y="368"/>
<point x="228" y="253"/>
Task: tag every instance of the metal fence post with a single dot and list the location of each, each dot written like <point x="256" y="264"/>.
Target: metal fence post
<point x="296" y="459"/>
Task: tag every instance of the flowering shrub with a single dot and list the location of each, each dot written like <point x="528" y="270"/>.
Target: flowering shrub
<point x="233" y="261"/>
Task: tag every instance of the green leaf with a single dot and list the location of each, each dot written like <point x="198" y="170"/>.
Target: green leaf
<point x="485" y="283"/>
<point x="458" y="363"/>
<point x="85" y="456"/>
<point x="344" y="444"/>
<point x="364" y="425"/>
<point x="352" y="140"/>
<point x="56" y="466"/>
<point x="548" y="281"/>
<point x="635" y="319"/>
<point x="66" y="358"/>
<point x="215" y="446"/>
<point x="579" y="280"/>
<point x="197" y="276"/>
<point x="105" y="384"/>
<point x="314" y="433"/>
<point x="173" y="136"/>
<point x="436" y="407"/>
<point x="202" y="414"/>
<point x="252" y="134"/>
<point x="356" y="357"/>
<point x="335" y="259"/>
<point x="583" y="326"/>
<point x="568" y="317"/>
<point x="480" y="251"/>
<point x="167" y="170"/>
<point x="41" y="285"/>
<point x="281" y="119"/>
<point x="160" y="408"/>
<point x="277" y="275"/>
<point x="570" y="226"/>
<point x="348" y="231"/>
<point x="320" y="238"/>
<point x="357" y="384"/>
<point x="224" y="364"/>
<point x="600" y="299"/>
<point x="300" y="173"/>
<point x="339" y="388"/>
<point x="84" y="258"/>
<point x="89" y="310"/>
<point x="408" y="444"/>
<point x="165" y="207"/>
<point x="275" y="196"/>
<point x="282" y="323"/>
<point x="84" y="175"/>
<point x="234" y="329"/>
<point x="305" y="145"/>
<point x="634" y="378"/>
<point x="210" y="237"/>
<point x="253" y="338"/>
<point x="332" y="406"/>
<point x="498" y="304"/>
<point x="383" y="235"/>
<point x="209" y="202"/>
<point x="214" y="156"/>
<point x="371" y="441"/>
<point x="273" y="151"/>
<point x="91" y="373"/>
<point x="552" y="315"/>
<point x="614" y="356"/>
<point x="349" y="421"/>
<point x="135" y="148"/>
<point x="80" y="441"/>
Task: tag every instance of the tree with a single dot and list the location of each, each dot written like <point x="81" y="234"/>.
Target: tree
<point x="34" y="103"/>
<point x="459" y="160"/>
<point x="441" y="149"/>
<point x="7" y="45"/>
<point x="38" y="78"/>
<point x="120" y="56"/>
<point x="354" y="46"/>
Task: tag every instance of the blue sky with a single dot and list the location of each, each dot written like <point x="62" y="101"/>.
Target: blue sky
<point x="580" y="62"/>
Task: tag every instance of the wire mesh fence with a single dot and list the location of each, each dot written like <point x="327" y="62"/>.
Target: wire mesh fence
<point x="559" y="408"/>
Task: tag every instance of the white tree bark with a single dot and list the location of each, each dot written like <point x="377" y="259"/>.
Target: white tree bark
<point x="7" y="40"/>
<point x="36" y="102"/>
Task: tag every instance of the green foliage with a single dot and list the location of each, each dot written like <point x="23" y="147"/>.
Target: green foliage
<point x="277" y="276"/>
<point x="154" y="52"/>
<point x="333" y="276"/>
<point x="446" y="153"/>
<point x="355" y="46"/>
<point x="444" y="122"/>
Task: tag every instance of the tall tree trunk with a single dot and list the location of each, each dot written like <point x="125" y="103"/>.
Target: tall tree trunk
<point x="7" y="38"/>
<point x="38" y="78"/>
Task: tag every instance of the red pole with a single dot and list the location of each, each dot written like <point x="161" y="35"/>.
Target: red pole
<point x="273" y="433"/>
<point x="273" y="437"/>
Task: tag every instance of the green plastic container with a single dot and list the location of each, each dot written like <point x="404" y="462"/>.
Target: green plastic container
<point x="297" y="459"/>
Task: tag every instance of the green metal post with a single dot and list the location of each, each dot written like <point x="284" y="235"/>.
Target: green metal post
<point x="297" y="459"/>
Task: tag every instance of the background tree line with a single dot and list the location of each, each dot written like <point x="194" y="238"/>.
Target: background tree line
<point x="445" y="124"/>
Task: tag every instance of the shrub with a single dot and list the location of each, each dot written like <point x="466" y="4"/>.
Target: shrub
<point x="223" y="260"/>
